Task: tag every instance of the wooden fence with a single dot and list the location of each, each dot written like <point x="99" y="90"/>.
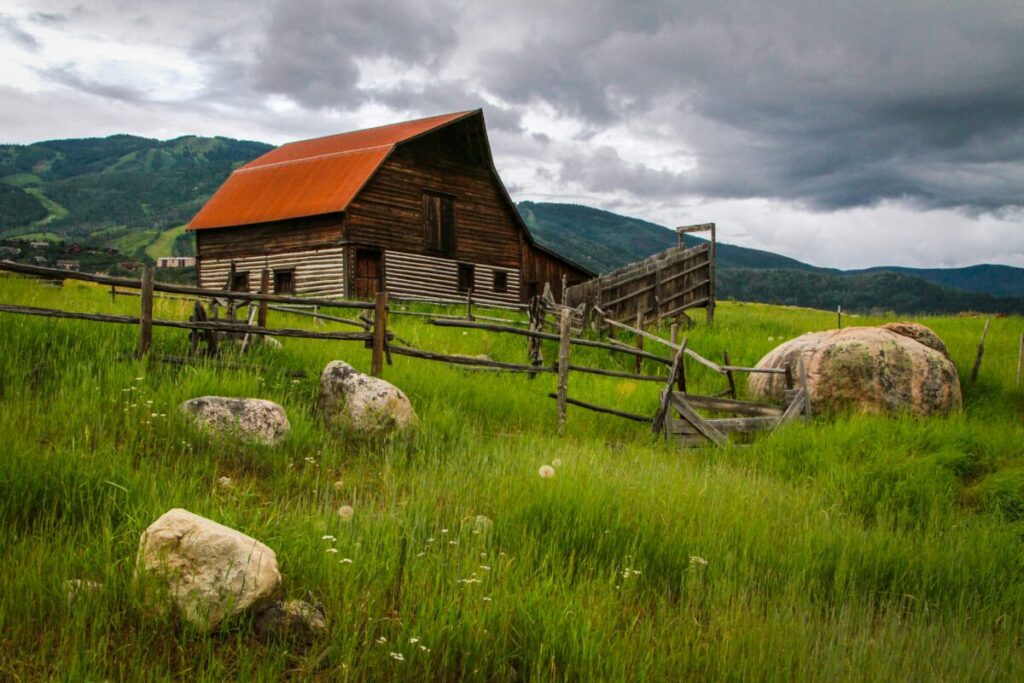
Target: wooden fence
<point x="661" y="286"/>
<point x="384" y="343"/>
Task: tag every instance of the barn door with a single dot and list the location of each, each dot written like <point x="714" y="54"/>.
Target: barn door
<point x="368" y="274"/>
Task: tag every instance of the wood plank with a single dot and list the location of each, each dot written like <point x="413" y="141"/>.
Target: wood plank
<point x="702" y="425"/>
<point x="744" y="424"/>
<point x="726" y="405"/>
<point x="602" y="409"/>
<point x="146" y="312"/>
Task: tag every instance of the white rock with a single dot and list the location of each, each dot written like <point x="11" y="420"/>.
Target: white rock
<point x="211" y="572"/>
<point x="252" y="419"/>
<point x="349" y="399"/>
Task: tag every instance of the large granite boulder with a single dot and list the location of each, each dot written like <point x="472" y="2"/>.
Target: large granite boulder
<point x="251" y="419"/>
<point x="211" y="572"/>
<point x="351" y="400"/>
<point x="868" y="369"/>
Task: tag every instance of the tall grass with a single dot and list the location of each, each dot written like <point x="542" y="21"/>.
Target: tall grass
<point x="858" y="548"/>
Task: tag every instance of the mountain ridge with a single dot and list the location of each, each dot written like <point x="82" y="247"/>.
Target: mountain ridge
<point x="122" y="194"/>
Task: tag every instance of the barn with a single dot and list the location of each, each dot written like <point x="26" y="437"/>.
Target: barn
<point x="416" y="208"/>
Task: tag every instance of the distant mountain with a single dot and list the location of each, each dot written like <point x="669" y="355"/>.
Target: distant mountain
<point x="125" y="198"/>
<point x="986" y="278"/>
<point x="120" y="190"/>
<point x="605" y="241"/>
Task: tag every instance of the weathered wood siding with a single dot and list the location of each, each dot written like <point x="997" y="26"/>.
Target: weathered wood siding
<point x="388" y="212"/>
<point x="417" y="275"/>
<point x="298" y="234"/>
<point x="318" y="272"/>
<point x="539" y="268"/>
<point x="665" y="284"/>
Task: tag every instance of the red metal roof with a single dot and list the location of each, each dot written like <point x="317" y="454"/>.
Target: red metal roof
<point x="308" y="177"/>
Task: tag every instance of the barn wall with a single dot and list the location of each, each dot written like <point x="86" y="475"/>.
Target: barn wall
<point x="318" y="272"/>
<point x="280" y="237"/>
<point x="540" y="267"/>
<point x="416" y="275"/>
<point x="388" y="212"/>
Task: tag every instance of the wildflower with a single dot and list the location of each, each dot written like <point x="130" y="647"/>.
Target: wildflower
<point x="346" y="512"/>
<point x="482" y="524"/>
<point x="424" y="648"/>
<point x="154" y="414"/>
<point x="414" y="640"/>
<point x="694" y="561"/>
<point x="557" y="462"/>
<point x="382" y="640"/>
<point x="339" y="485"/>
<point x="328" y="537"/>
<point x="225" y="482"/>
<point x="444" y="531"/>
<point x="453" y="542"/>
<point x="546" y="471"/>
<point x="332" y="550"/>
<point x="485" y="568"/>
<point x="430" y="540"/>
<point x="295" y="381"/>
<point x="138" y="379"/>
<point x="420" y="554"/>
<point x="397" y="656"/>
<point x="345" y="560"/>
<point x="487" y="598"/>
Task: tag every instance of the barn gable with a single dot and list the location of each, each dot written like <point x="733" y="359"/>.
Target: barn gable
<point x="416" y="207"/>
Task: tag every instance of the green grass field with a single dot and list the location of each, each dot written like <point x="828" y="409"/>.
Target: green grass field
<point x="853" y="548"/>
<point x="163" y="244"/>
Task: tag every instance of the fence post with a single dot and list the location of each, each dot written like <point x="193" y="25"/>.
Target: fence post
<point x="981" y="352"/>
<point x="380" y="331"/>
<point x="1020" y="358"/>
<point x="261" y="319"/>
<point x="563" y="366"/>
<point x="146" y="312"/>
<point x="469" y="304"/>
<point x="113" y="293"/>
<point x="639" y="340"/>
<point x="728" y="374"/>
<point x="839" y="316"/>
<point x="565" y="286"/>
<point x="673" y="333"/>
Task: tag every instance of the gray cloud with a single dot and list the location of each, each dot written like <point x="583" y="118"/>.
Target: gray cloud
<point x="10" y="27"/>
<point x="69" y="77"/>
<point x="310" y="48"/>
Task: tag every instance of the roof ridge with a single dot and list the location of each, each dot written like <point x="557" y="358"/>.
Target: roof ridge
<point x="325" y="155"/>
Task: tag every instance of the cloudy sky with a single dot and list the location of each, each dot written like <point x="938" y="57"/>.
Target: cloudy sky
<point x="848" y="136"/>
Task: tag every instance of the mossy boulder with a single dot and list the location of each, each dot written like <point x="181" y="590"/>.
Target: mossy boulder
<point x="867" y="369"/>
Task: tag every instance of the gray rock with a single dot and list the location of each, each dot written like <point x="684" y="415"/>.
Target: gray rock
<point x="351" y="400"/>
<point x="210" y="572"/>
<point x="295" y="619"/>
<point x="251" y="419"/>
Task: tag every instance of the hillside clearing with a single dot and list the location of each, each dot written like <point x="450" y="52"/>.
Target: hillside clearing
<point x="854" y="548"/>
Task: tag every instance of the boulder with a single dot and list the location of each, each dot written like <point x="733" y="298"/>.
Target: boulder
<point x="870" y="369"/>
<point x="919" y="333"/>
<point x="351" y="400"/>
<point x="211" y="572"/>
<point x="252" y="419"/>
<point x="295" y="619"/>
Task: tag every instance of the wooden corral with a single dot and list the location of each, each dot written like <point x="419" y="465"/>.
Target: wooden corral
<point x="662" y="286"/>
<point x="415" y="208"/>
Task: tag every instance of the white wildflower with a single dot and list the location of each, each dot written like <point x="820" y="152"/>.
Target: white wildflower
<point x="332" y="550"/>
<point x="346" y="512"/>
<point x="328" y="537"/>
<point x="345" y="560"/>
<point x="414" y="640"/>
<point x="694" y="561"/>
<point x="397" y="656"/>
<point x="225" y="482"/>
<point x="557" y="462"/>
<point x="339" y="485"/>
<point x="546" y="471"/>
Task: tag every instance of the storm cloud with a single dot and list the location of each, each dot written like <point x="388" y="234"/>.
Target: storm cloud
<point x="820" y="108"/>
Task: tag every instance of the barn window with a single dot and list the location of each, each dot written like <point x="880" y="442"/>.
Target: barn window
<point x="467" y="272"/>
<point x="439" y="223"/>
<point x="284" y="281"/>
<point x="500" y="281"/>
<point x="240" y="282"/>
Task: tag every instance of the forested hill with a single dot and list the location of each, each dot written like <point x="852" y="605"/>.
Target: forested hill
<point x="72" y="188"/>
<point x="128" y="197"/>
<point x="604" y="241"/>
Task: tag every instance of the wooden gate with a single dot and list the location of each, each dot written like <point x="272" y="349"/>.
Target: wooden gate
<point x="663" y="285"/>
